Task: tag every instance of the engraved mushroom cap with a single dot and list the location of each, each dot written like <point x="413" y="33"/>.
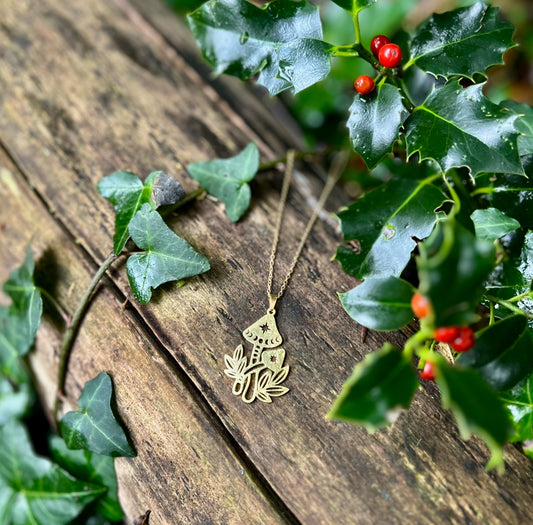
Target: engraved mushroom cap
<point x="263" y="332"/>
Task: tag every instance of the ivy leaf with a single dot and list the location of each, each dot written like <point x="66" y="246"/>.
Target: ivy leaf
<point x="461" y="42"/>
<point x="32" y="488"/>
<point x="461" y="127"/>
<point x="375" y="121"/>
<point x="281" y="42"/>
<point x="379" y="387"/>
<point x="167" y="257"/>
<point x="492" y="223"/>
<point x="94" y="468"/>
<point x="380" y="303"/>
<point x="519" y="404"/>
<point x="503" y="353"/>
<point x="453" y="255"/>
<point x="93" y="427"/>
<point x="128" y="194"/>
<point x="15" y="401"/>
<point x="475" y="406"/>
<point x="354" y="6"/>
<point x="385" y="222"/>
<point x="227" y="179"/>
<point x="524" y="124"/>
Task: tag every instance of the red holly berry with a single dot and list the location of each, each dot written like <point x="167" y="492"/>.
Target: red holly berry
<point x="364" y="85"/>
<point x="465" y="340"/>
<point x="446" y="334"/>
<point x="377" y="43"/>
<point x="428" y="372"/>
<point x="390" y="55"/>
<point x="420" y="305"/>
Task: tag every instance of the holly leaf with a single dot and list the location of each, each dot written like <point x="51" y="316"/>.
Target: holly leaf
<point x="461" y="127"/>
<point x="524" y="124"/>
<point x="375" y="121"/>
<point x="128" y="194"/>
<point x="227" y="179"/>
<point x="354" y="6"/>
<point x="503" y="353"/>
<point x="167" y="257"/>
<point x="475" y="406"/>
<point x="492" y="223"/>
<point x="15" y="400"/>
<point x="32" y="488"/>
<point x="94" y="468"/>
<point x="281" y="42"/>
<point x="519" y="403"/>
<point x="385" y="222"/>
<point x="379" y="387"/>
<point x="380" y="303"/>
<point x="93" y="427"/>
<point x="463" y="42"/>
<point x="453" y="255"/>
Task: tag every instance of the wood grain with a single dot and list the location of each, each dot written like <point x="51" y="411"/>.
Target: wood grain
<point x="92" y="87"/>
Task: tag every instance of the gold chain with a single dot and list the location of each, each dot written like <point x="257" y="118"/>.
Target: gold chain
<point x="337" y="167"/>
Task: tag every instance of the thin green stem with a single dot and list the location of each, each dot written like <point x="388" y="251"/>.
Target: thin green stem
<point x="355" y="18"/>
<point x="53" y="301"/>
<point x="418" y="340"/>
<point x="507" y="304"/>
<point x="491" y="318"/>
<point x="70" y="333"/>
<point x="521" y="296"/>
<point x="457" y="202"/>
<point x="195" y="194"/>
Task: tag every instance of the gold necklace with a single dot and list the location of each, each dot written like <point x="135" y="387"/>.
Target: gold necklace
<point x="261" y="378"/>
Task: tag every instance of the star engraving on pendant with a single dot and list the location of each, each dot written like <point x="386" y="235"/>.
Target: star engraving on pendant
<point x="265" y="327"/>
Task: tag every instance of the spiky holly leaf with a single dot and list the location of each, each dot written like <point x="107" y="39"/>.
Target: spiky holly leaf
<point x="375" y="121"/>
<point x="354" y="6"/>
<point x="524" y="124"/>
<point x="462" y="42"/>
<point x="93" y="427"/>
<point x="32" y="488"/>
<point x="227" y="179"/>
<point x="282" y="43"/>
<point x="166" y="257"/>
<point x="459" y="126"/>
<point x="380" y="303"/>
<point x="519" y="404"/>
<point x="94" y="468"/>
<point x="492" y="223"/>
<point x="128" y="193"/>
<point x="379" y="388"/>
<point x="384" y="223"/>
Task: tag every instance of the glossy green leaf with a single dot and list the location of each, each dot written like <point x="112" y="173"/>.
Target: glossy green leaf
<point x="94" y="468"/>
<point x="15" y="400"/>
<point x="524" y="124"/>
<point x="227" y="179"/>
<point x="461" y="42"/>
<point x="375" y="121"/>
<point x="379" y="387"/>
<point x="519" y="404"/>
<point x="166" y="257"/>
<point x="453" y="267"/>
<point x="380" y="303"/>
<point x="503" y="353"/>
<point x="93" y="427"/>
<point x="492" y="223"/>
<point x="459" y="126"/>
<point x="282" y="43"/>
<point x="354" y="6"/>
<point x="128" y="194"/>
<point x="32" y="489"/>
<point x="384" y="222"/>
<point x="476" y="408"/>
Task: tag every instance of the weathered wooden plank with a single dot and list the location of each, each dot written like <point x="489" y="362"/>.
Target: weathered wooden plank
<point x="187" y="470"/>
<point x="98" y="94"/>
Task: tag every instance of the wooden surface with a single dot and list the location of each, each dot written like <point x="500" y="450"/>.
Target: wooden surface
<point x="92" y="87"/>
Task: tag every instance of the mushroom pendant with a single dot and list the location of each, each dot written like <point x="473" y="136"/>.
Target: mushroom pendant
<point x="261" y="377"/>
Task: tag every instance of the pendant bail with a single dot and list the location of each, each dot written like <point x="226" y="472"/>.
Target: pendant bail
<point x="272" y="300"/>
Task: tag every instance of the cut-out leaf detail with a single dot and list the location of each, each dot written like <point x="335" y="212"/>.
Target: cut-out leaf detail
<point x="375" y="121"/>
<point x="128" y="194"/>
<point x="380" y="303"/>
<point x="385" y="222"/>
<point x="492" y="223"/>
<point x="94" y="468"/>
<point x="34" y="490"/>
<point x="93" y="427"/>
<point x="282" y="42"/>
<point x="227" y="179"/>
<point x="379" y="388"/>
<point x="462" y="42"/>
<point x="459" y="126"/>
<point x="167" y="257"/>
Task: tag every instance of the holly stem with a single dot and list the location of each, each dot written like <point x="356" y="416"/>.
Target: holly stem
<point x="509" y="305"/>
<point x="517" y="298"/>
<point x="72" y="328"/>
<point x="355" y="18"/>
<point x="418" y="340"/>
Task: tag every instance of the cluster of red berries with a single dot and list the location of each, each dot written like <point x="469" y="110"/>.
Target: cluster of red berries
<point x="460" y="338"/>
<point x="388" y="54"/>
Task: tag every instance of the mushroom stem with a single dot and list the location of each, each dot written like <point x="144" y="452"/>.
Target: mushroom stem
<point x="256" y="354"/>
